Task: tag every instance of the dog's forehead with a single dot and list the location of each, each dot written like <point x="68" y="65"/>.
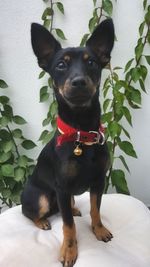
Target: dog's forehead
<point x="74" y="53"/>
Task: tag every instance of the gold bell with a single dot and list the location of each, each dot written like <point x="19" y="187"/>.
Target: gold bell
<point x="77" y="151"/>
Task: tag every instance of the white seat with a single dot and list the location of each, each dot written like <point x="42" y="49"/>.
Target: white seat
<point x="22" y="244"/>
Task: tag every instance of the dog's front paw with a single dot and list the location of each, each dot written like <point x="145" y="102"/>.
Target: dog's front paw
<point x="102" y="233"/>
<point x="76" y="212"/>
<point x="68" y="253"/>
<point x="43" y="224"/>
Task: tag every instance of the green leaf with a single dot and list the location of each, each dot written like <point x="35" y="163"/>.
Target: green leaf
<point x="107" y="6"/>
<point x="144" y="4"/>
<point x="3" y="84"/>
<point x="4" y="99"/>
<point x="47" y="12"/>
<point x="2" y="185"/>
<point x="50" y="82"/>
<point x="143" y="71"/>
<point x="60" y="7"/>
<point x="43" y="90"/>
<point x="147" y="16"/>
<point x="4" y="121"/>
<point x="48" y="137"/>
<point x="46" y="121"/>
<point x="127" y="115"/>
<point x="19" y="120"/>
<point x="15" y="197"/>
<point x="106" y="104"/>
<point x="106" y="90"/>
<point x="17" y="133"/>
<point x="139" y="50"/>
<point x="47" y="23"/>
<point x="94" y="2"/>
<point x="19" y="174"/>
<point x="92" y="23"/>
<point x="148" y="59"/>
<point x="28" y="144"/>
<point x="42" y="73"/>
<point x="117" y="68"/>
<point x="84" y="39"/>
<point x="53" y="123"/>
<point x="44" y="95"/>
<point x="7" y="170"/>
<point x="107" y="117"/>
<point x="6" y="193"/>
<point x="124" y="163"/>
<point x="127" y="148"/>
<point x="4" y="156"/>
<point x="119" y="181"/>
<point x="135" y="96"/>
<point x="5" y="135"/>
<point x="53" y="108"/>
<point x="141" y="28"/>
<point x="23" y="161"/>
<point x="60" y="34"/>
<point x="136" y="74"/>
<point x="7" y="146"/>
<point x="142" y="85"/>
<point x="133" y="105"/>
<point x="114" y="129"/>
<point x="128" y="65"/>
<point x="8" y="111"/>
<point x="43" y="135"/>
<point x="126" y="132"/>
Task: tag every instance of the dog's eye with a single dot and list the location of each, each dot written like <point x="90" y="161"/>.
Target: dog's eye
<point x="92" y="63"/>
<point x="61" y="65"/>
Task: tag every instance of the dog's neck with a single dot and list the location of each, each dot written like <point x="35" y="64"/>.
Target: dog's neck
<point x="84" y="118"/>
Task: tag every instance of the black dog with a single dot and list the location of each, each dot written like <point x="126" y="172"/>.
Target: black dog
<point x="77" y="158"/>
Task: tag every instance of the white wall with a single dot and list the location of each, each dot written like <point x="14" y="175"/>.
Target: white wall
<point x="19" y="69"/>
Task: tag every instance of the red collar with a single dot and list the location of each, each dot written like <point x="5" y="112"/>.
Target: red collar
<point x="69" y="134"/>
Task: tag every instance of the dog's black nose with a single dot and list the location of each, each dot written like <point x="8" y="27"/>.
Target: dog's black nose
<point x="79" y="82"/>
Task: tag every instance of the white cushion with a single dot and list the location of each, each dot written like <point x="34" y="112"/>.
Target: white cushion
<point x="22" y="244"/>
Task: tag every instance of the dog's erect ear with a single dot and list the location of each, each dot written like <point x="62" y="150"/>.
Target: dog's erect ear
<point x="44" y="44"/>
<point x="102" y="40"/>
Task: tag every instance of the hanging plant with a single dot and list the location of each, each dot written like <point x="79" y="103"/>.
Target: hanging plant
<point x="120" y="94"/>
<point x="46" y="92"/>
<point x="14" y="165"/>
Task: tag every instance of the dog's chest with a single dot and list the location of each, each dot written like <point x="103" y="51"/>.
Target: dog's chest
<point x="78" y="173"/>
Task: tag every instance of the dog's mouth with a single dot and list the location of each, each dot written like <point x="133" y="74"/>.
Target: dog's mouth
<point x="78" y="100"/>
<point x="78" y="92"/>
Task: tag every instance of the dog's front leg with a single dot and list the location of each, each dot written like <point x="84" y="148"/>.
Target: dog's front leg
<point x="98" y="228"/>
<point x="68" y="254"/>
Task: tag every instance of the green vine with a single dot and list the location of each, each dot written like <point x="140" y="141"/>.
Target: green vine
<point x="46" y="92"/>
<point x="120" y="93"/>
<point x="14" y="165"/>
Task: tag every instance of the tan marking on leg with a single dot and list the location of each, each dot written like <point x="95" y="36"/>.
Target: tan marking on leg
<point x="95" y="215"/>
<point x="75" y="211"/>
<point x="43" y="206"/>
<point x="68" y="253"/>
<point x="99" y="230"/>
